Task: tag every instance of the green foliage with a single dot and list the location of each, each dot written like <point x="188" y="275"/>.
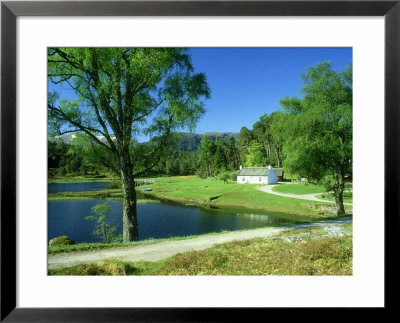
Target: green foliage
<point x="225" y="177"/>
<point x="103" y="229"/>
<point x="219" y="162"/>
<point x="244" y="139"/>
<point x="103" y="268"/>
<point x="255" y="156"/>
<point x="119" y="94"/>
<point x="61" y="241"/>
<point x="206" y="154"/>
<point x="320" y="140"/>
<point x="319" y="136"/>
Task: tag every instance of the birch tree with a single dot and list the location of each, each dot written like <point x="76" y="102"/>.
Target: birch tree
<point x="119" y="94"/>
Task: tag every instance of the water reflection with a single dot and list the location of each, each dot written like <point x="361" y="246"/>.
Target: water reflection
<point x="161" y="220"/>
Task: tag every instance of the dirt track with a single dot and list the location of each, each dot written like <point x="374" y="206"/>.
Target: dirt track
<point x="309" y="197"/>
<point x="164" y="249"/>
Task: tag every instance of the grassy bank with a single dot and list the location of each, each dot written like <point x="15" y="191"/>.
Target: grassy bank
<point x="81" y="179"/>
<point x="191" y="189"/>
<point x="210" y="192"/>
<point x="92" y="246"/>
<point x="299" y="188"/>
<point x="313" y="251"/>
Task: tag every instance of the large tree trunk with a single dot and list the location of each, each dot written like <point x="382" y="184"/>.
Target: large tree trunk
<point x="338" y="189"/>
<point x="129" y="215"/>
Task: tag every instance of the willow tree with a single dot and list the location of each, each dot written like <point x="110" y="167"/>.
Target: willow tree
<point x="119" y="94"/>
<point x="319" y="137"/>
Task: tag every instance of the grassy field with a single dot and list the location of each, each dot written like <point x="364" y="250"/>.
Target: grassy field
<point x="306" y="252"/>
<point x="299" y="188"/>
<point x="191" y="189"/>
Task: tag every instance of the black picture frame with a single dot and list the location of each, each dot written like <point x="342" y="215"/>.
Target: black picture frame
<point x="10" y="10"/>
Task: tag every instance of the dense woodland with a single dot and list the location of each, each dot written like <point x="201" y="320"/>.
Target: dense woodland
<point x="206" y="155"/>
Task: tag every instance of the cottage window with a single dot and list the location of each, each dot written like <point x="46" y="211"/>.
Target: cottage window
<point x="244" y="179"/>
<point x="259" y="179"/>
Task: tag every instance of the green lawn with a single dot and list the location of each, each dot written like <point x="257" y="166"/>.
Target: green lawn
<point x="347" y="197"/>
<point x="191" y="189"/>
<point x="305" y="252"/>
<point x="299" y="188"/>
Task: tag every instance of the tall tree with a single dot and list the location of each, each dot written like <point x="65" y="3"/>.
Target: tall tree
<point x="319" y="140"/>
<point x="121" y="93"/>
<point x="256" y="155"/>
<point x="219" y="162"/>
<point x="262" y="133"/>
<point x="244" y="139"/>
<point x="279" y="124"/>
<point x="233" y="158"/>
<point x="206" y="153"/>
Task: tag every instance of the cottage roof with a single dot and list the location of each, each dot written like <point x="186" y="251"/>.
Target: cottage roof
<point x="258" y="171"/>
<point x="253" y="171"/>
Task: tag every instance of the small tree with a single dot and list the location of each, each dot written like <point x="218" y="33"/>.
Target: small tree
<point x="225" y="177"/>
<point x="103" y="229"/>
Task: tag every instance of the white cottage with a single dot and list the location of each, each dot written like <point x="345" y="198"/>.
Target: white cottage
<point x="256" y="175"/>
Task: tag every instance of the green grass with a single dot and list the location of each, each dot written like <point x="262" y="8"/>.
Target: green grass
<point x="295" y="252"/>
<point x="93" y="246"/>
<point x="299" y="188"/>
<point x="191" y="189"/>
<point x="347" y="197"/>
<point x="208" y="192"/>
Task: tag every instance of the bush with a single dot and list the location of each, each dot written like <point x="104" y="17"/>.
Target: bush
<point x="61" y="241"/>
<point x="107" y="267"/>
<point x="202" y="173"/>
<point x="224" y="177"/>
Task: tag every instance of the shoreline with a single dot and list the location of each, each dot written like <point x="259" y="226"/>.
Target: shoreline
<point x="116" y="195"/>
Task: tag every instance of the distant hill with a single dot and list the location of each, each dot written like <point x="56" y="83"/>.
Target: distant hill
<point x="188" y="142"/>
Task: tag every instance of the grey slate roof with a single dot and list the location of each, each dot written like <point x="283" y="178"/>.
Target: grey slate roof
<point x="253" y="171"/>
<point x="258" y="171"/>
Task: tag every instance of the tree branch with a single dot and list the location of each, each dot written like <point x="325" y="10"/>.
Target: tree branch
<point x="87" y="130"/>
<point x="150" y="154"/>
<point x="148" y="112"/>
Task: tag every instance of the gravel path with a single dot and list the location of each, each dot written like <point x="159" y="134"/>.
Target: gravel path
<point x="164" y="249"/>
<point x="309" y="197"/>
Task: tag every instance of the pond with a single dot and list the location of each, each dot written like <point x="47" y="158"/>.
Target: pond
<point x="156" y="219"/>
<point x="76" y="187"/>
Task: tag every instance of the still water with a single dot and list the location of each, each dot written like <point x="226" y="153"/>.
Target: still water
<point x="76" y="187"/>
<point x="158" y="219"/>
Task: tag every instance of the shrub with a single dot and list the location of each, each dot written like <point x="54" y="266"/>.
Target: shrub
<point x="61" y="241"/>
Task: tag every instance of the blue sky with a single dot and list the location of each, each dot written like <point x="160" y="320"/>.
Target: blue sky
<point x="248" y="82"/>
